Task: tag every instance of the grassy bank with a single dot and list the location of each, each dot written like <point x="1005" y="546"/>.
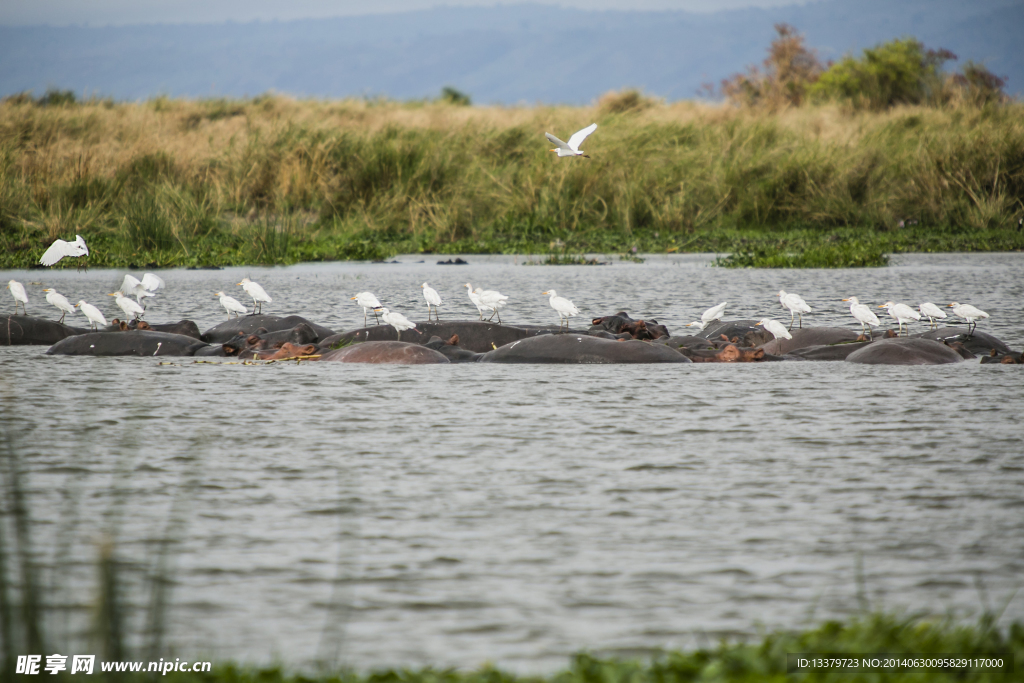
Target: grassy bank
<point x="275" y="180"/>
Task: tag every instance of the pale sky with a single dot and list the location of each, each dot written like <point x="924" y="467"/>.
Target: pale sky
<point x="117" y="12"/>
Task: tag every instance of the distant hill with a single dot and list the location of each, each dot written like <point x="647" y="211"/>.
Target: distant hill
<point x="507" y="54"/>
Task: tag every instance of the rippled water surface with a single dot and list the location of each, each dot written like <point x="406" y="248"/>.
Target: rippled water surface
<point x="455" y="514"/>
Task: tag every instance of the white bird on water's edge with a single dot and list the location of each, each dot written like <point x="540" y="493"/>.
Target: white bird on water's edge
<point x="61" y="248"/>
<point x="902" y="313"/>
<point x="60" y="301"/>
<point x="231" y="304"/>
<point x="19" y="294"/>
<point x="713" y="313"/>
<point x="433" y="299"/>
<point x="795" y="304"/>
<point x="129" y="307"/>
<point x="572" y="148"/>
<point x="92" y="314"/>
<point x="777" y="329"/>
<point x="968" y="313"/>
<point x="397" y="321"/>
<point x="258" y="294"/>
<point x="864" y="315"/>
<point x="931" y="311"/>
<point x="369" y="303"/>
<point x="562" y="306"/>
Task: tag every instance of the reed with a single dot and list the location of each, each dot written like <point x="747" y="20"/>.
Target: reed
<point x="277" y="180"/>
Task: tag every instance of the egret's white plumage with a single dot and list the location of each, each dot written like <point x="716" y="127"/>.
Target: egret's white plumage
<point x="60" y="301"/>
<point x="231" y="304"/>
<point x="19" y="294"/>
<point x="475" y="299"/>
<point x="258" y="294"/>
<point x="129" y="307"/>
<point x="713" y="313"/>
<point x="141" y="289"/>
<point x="92" y="314"/>
<point x="397" y="321"/>
<point x="699" y="324"/>
<point x="60" y="248"/>
<point x="902" y="313"/>
<point x="864" y="315"/>
<point x="565" y="308"/>
<point x="777" y="329"/>
<point x="931" y="311"/>
<point x="369" y="303"/>
<point x="433" y="299"/>
<point x="795" y="304"/>
<point x="489" y="299"/>
<point x="968" y="313"/>
<point x="572" y="148"/>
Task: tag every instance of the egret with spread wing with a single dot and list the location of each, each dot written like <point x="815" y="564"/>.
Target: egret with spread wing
<point x="60" y="248"/>
<point x="572" y="148"/>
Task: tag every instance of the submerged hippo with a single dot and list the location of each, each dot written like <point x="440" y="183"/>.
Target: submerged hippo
<point x="185" y="327"/>
<point x="581" y="348"/>
<point x="828" y="351"/>
<point x="250" y="323"/>
<point x="130" y="343"/>
<point x="978" y="343"/>
<point x="25" y="330"/>
<point x="809" y="336"/>
<point x="473" y="335"/>
<point x="385" y="353"/>
<point x="450" y="349"/>
<point x="904" y="351"/>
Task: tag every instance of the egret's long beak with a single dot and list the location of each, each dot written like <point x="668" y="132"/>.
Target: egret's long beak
<point x="238" y="283"/>
<point x="543" y="293"/>
<point x="352" y="298"/>
<point x="112" y="294"/>
<point x="553" y="150"/>
<point x="756" y="324"/>
<point x="949" y="306"/>
<point x="845" y="299"/>
<point x="882" y="306"/>
<point x="77" y="305"/>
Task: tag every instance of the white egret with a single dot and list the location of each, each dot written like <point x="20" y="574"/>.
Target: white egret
<point x="902" y="313"/>
<point x="777" y="330"/>
<point x="473" y="297"/>
<point x="562" y="306"/>
<point x="397" y="321"/>
<point x="712" y="314"/>
<point x="795" y="304"/>
<point x="60" y="248"/>
<point x="572" y="148"/>
<point x="231" y="304"/>
<point x="931" y="311"/>
<point x="700" y="324"/>
<point x="433" y="299"/>
<point x="19" y="294"/>
<point x="60" y="301"/>
<point x="129" y="307"/>
<point x="146" y="287"/>
<point x="92" y="313"/>
<point x="968" y="313"/>
<point x="258" y="294"/>
<point x="369" y="303"/>
<point x="864" y="315"/>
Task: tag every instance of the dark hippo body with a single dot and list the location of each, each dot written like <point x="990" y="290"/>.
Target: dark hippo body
<point x="473" y="335"/>
<point x="809" y="336"/>
<point x="905" y="351"/>
<point x="185" y="327"/>
<point x="25" y="330"/>
<point x="130" y="343"/>
<point x="828" y="351"/>
<point x="451" y="350"/>
<point x="977" y="343"/>
<point x="582" y="348"/>
<point x="384" y="352"/>
<point x="745" y="332"/>
<point x="248" y="324"/>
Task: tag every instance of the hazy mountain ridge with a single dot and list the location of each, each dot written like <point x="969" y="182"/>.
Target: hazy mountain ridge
<point x="507" y="54"/>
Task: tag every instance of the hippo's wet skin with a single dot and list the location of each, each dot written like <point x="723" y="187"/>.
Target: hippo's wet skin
<point x="130" y="343"/>
<point x="473" y="335"/>
<point x="904" y="351"/>
<point x="384" y="353"/>
<point x="581" y="348"/>
<point x="248" y="324"/>
<point x="809" y="336"/>
<point x="25" y="330"/>
<point x="977" y="343"/>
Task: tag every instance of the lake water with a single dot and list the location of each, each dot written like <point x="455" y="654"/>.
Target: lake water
<point x="452" y="515"/>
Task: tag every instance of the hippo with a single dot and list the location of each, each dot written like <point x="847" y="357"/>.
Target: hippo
<point x="250" y="323"/>
<point x="904" y="351"/>
<point x="828" y="351"/>
<point x="449" y="348"/>
<point x="620" y="325"/>
<point x="25" y="330"/>
<point x="810" y="336"/>
<point x="185" y="327"/>
<point x="473" y="335"/>
<point x="745" y="331"/>
<point x="581" y="348"/>
<point x="978" y="343"/>
<point x="1003" y="359"/>
<point x="729" y="353"/>
<point x="385" y="353"/>
<point x="130" y="343"/>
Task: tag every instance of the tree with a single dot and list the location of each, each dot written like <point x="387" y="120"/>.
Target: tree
<point x="789" y="70"/>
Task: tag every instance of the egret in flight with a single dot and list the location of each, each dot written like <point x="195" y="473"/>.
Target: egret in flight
<point x="18" y="292"/>
<point x="931" y="311"/>
<point x="231" y="304"/>
<point x="92" y="313"/>
<point x="60" y="301"/>
<point x="369" y="303"/>
<point x="864" y="315"/>
<point x="795" y="304"/>
<point x="146" y="287"/>
<point x="969" y="313"/>
<point x="60" y="248"/>
<point x="129" y="307"/>
<point x="565" y="308"/>
<point x="258" y="294"/>
<point x="397" y="321"/>
<point x="572" y="148"/>
<point x="433" y="300"/>
<point x="902" y="313"/>
<point x="777" y="329"/>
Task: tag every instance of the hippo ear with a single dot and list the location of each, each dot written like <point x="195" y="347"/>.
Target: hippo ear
<point x="597" y="321"/>
<point x="454" y="341"/>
